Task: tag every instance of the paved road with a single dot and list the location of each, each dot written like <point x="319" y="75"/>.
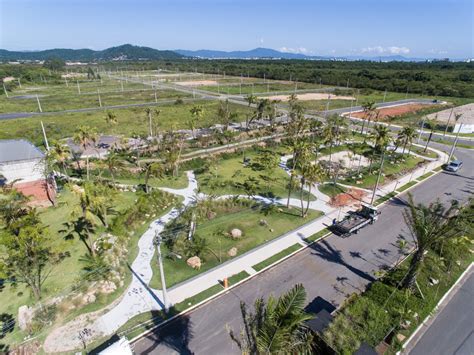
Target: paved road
<point x="331" y="269"/>
<point x="452" y="332"/>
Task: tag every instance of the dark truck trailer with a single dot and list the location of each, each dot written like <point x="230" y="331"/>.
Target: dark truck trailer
<point x="355" y="220"/>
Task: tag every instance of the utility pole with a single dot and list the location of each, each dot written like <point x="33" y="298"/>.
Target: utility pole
<point x="156" y="98"/>
<point x="39" y="105"/>
<point x="421" y="130"/>
<point x="449" y="120"/>
<point x="454" y="143"/>
<point x="44" y="136"/>
<point x="162" y="272"/>
<point x="78" y="87"/>
<point x="100" y="101"/>
<point x="5" y="89"/>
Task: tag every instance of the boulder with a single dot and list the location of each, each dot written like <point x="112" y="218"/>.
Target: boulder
<point x="263" y="222"/>
<point x="194" y="262"/>
<point x="89" y="298"/>
<point x="25" y="315"/>
<point x="236" y="233"/>
<point x="232" y="252"/>
<point x="107" y="287"/>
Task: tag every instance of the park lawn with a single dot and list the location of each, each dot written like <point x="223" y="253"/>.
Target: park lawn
<point x="254" y="234"/>
<point x="420" y="150"/>
<point x="331" y="190"/>
<point x="391" y="170"/>
<point x="130" y="121"/>
<point x="224" y="177"/>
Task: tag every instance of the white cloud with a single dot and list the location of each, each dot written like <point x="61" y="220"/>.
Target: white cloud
<point x="299" y="50"/>
<point x="386" y="50"/>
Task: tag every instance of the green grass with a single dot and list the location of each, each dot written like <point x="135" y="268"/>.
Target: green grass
<point x="449" y="143"/>
<point x="248" y="221"/>
<point x="384" y="198"/>
<point x="439" y="168"/>
<point x="425" y="176"/>
<point x="420" y="150"/>
<point x="225" y="176"/>
<point x="130" y="121"/>
<point x="407" y="186"/>
<point x="317" y="236"/>
<point x="238" y="277"/>
<point x="331" y="190"/>
<point x="273" y="259"/>
<point x="260" y="88"/>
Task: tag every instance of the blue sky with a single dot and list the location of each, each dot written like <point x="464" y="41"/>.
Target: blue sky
<point x="426" y="28"/>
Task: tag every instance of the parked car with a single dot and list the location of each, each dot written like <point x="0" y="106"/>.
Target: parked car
<point x="454" y="166"/>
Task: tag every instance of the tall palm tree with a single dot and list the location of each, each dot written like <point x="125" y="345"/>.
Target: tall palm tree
<point x="152" y="170"/>
<point x="406" y="135"/>
<point x="427" y="225"/>
<point x="381" y="137"/>
<point x="196" y="114"/>
<point x="60" y="153"/>
<point x="85" y="136"/>
<point x="432" y="124"/>
<point x="311" y="175"/>
<point x="277" y="326"/>
<point x="369" y="113"/>
<point x="113" y="163"/>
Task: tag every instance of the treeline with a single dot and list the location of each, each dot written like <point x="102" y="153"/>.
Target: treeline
<point x="441" y="78"/>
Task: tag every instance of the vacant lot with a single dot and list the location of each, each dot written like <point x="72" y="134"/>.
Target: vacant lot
<point x="311" y="96"/>
<point x="396" y="110"/>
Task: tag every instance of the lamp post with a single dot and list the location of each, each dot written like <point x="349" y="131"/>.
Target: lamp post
<point x="157" y="242"/>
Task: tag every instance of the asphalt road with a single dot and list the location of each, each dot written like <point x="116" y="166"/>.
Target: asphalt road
<point x="452" y="332"/>
<point x="331" y="269"/>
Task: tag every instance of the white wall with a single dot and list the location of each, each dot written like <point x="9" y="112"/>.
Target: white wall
<point x="26" y="170"/>
<point x="466" y="128"/>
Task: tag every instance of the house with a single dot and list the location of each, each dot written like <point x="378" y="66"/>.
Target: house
<point x="22" y="165"/>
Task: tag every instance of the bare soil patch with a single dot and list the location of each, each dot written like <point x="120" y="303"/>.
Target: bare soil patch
<point x="394" y="110"/>
<point x="347" y="159"/>
<point x="353" y="197"/>
<point x="311" y="96"/>
<point x="197" y="83"/>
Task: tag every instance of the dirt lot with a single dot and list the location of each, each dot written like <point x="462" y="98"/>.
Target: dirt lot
<point x="395" y="110"/>
<point x="467" y="112"/>
<point x="347" y="159"/>
<point x="197" y="83"/>
<point x="311" y="96"/>
<point x="353" y="197"/>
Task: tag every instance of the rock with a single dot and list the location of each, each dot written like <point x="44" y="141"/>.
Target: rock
<point x="433" y="281"/>
<point x="25" y="315"/>
<point x="406" y="324"/>
<point x="211" y="214"/>
<point x="194" y="262"/>
<point x="107" y="287"/>
<point x="232" y="252"/>
<point x="89" y="298"/>
<point x="236" y="233"/>
<point x="263" y="222"/>
<point x="401" y="337"/>
<point x="271" y="230"/>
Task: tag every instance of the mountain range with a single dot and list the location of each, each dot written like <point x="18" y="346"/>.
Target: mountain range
<point x="131" y="52"/>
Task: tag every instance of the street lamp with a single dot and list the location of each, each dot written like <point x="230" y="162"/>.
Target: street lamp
<point x="157" y="241"/>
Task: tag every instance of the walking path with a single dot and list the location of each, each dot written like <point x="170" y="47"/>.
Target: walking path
<point x="140" y="298"/>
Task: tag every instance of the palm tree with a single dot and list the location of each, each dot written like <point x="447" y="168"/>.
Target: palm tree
<point x="406" y="135"/>
<point x="277" y="326"/>
<point x="427" y="225"/>
<point x="225" y="115"/>
<point x="432" y="124"/>
<point x="113" y="163"/>
<point x="311" y="174"/>
<point x="60" y="153"/>
<point x="381" y="136"/>
<point x="251" y="99"/>
<point x="84" y="137"/>
<point x="196" y="114"/>
<point x="152" y="170"/>
<point x="369" y="112"/>
<point x="272" y="113"/>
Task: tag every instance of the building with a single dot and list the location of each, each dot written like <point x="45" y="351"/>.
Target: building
<point x="22" y="165"/>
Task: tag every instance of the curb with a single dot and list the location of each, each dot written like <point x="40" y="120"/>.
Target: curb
<point x="433" y="314"/>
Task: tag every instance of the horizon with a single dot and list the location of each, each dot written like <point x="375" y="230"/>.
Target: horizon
<point x="339" y="28"/>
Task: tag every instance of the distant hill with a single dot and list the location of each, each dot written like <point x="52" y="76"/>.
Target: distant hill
<point x="123" y="52"/>
<point x="250" y="54"/>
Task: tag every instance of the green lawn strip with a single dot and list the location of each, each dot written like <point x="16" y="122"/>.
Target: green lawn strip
<point x="129" y="121"/>
<point x="248" y="221"/>
<point x="369" y="317"/>
<point x="238" y="277"/>
<point x="460" y="145"/>
<point x="273" y="259"/>
<point x="384" y="198"/>
<point x="407" y="186"/>
<point x="317" y="236"/>
<point x="228" y="174"/>
<point x="331" y="190"/>
<point x="425" y="176"/>
<point x="439" y="168"/>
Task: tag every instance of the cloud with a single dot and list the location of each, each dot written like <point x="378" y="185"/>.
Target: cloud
<point x="386" y="50"/>
<point x="299" y="50"/>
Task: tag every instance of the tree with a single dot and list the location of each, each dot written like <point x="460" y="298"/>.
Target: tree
<point x="152" y="170"/>
<point x="13" y="207"/>
<point x="381" y="137"/>
<point x="111" y="118"/>
<point x="333" y="131"/>
<point x="60" y="153"/>
<point x="406" y="135"/>
<point x="277" y="326"/>
<point x="369" y="113"/>
<point x="432" y="124"/>
<point x="29" y="257"/>
<point x="85" y="136"/>
<point x="225" y="115"/>
<point x="311" y="174"/>
<point x="196" y="115"/>
<point x="54" y="64"/>
<point x="113" y="163"/>
<point x="427" y="225"/>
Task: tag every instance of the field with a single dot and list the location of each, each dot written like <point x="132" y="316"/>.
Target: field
<point x="396" y="110"/>
<point x="130" y="121"/>
<point x="259" y="88"/>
